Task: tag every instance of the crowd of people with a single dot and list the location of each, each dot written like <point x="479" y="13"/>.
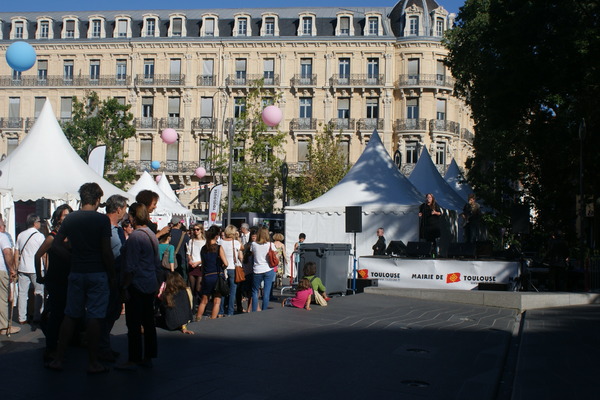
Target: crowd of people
<point x="92" y="267"/>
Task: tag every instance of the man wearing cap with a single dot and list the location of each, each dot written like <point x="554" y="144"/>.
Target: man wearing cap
<point x="179" y="240"/>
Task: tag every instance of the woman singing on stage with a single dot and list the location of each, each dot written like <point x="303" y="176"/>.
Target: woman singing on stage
<point x="429" y="213"/>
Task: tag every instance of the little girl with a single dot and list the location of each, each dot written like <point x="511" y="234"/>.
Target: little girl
<point x="302" y="299"/>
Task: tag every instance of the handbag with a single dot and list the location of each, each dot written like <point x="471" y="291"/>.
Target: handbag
<point x="272" y="258"/>
<point x="221" y="286"/>
<point x="319" y="299"/>
<point x="165" y="260"/>
<point x="240" y="276"/>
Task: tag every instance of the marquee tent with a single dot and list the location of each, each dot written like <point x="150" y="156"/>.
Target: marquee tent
<point x="387" y="199"/>
<point x="44" y="165"/>
<point x="457" y="181"/>
<point x="165" y="187"/>
<point x="7" y="209"/>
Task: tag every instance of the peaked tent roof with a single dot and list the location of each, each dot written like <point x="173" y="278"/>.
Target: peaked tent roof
<point x="165" y="187"/>
<point x="457" y="181"/>
<point x="45" y="165"/>
<point x="165" y="205"/>
<point x="427" y="179"/>
<point x="374" y="182"/>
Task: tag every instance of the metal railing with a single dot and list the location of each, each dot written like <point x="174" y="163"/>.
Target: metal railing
<point x="368" y="124"/>
<point x="172" y="122"/>
<point x="11" y="123"/>
<point x="434" y="80"/>
<point x="410" y="124"/>
<point x="304" y="80"/>
<point x="342" y="124"/>
<point x="444" y="126"/>
<point x="303" y="124"/>
<point x="248" y="80"/>
<point x="356" y="80"/>
<point x="173" y="166"/>
<point x="146" y="123"/>
<point x="159" y="80"/>
<point x="202" y="123"/>
<point x="207" y="80"/>
<point x="56" y="80"/>
<point x="467" y="135"/>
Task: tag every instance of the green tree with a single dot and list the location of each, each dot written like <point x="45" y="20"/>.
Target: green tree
<point x="257" y="160"/>
<point x="529" y="71"/>
<point x="105" y="122"/>
<point x="327" y="165"/>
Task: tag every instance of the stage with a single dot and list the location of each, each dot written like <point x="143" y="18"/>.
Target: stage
<point x="437" y="273"/>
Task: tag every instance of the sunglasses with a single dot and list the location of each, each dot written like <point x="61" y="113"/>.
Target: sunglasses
<point x="197" y="229"/>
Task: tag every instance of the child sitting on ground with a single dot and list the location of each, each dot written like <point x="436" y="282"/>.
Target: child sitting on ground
<point x="303" y="295"/>
<point x="175" y="304"/>
<point x="310" y="270"/>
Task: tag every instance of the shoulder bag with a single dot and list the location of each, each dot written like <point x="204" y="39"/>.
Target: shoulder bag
<point x="240" y="276"/>
<point x="319" y="299"/>
<point x="272" y="258"/>
<point x="165" y="260"/>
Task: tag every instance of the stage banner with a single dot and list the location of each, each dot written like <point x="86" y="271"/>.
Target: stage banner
<point x="436" y="273"/>
<point x="214" y="204"/>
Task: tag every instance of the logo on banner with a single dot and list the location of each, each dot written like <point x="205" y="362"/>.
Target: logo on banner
<point x="213" y="217"/>
<point x="363" y="273"/>
<point x="453" y="277"/>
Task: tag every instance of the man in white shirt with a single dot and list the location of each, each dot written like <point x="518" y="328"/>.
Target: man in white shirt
<point x="8" y="274"/>
<point x="28" y="243"/>
<point x="244" y="234"/>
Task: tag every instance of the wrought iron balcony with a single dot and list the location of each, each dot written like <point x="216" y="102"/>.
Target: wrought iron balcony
<point x="369" y="124"/>
<point x="172" y="166"/>
<point x="204" y="123"/>
<point x="467" y="135"/>
<point x="146" y="123"/>
<point x="207" y="80"/>
<point x="300" y="80"/>
<point x="410" y="124"/>
<point x="303" y="124"/>
<point x="159" y="80"/>
<point x="429" y="80"/>
<point x="338" y="124"/>
<point x="11" y="123"/>
<point x="244" y="80"/>
<point x="56" y="80"/>
<point x="298" y="168"/>
<point x="438" y="125"/>
<point x="356" y="80"/>
<point x="172" y="122"/>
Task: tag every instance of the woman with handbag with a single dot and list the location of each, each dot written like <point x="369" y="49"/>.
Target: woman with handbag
<point x="213" y="264"/>
<point x="194" y="247"/>
<point x="234" y="255"/>
<point x="278" y="243"/>
<point x="263" y="272"/>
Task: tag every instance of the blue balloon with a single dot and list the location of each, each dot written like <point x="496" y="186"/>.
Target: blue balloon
<point x="20" y="56"/>
<point x="155" y="164"/>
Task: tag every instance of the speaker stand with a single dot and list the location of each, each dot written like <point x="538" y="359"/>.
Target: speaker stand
<point x="354" y="271"/>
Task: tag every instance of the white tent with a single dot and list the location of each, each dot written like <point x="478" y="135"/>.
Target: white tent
<point x="457" y="181"/>
<point x="165" y="187"/>
<point x="7" y="209"/>
<point x="166" y="208"/>
<point x="44" y="165"/>
<point x="387" y="199"/>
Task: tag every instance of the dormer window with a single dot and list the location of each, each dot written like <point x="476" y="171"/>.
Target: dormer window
<point x="270" y="25"/>
<point x="373" y="25"/>
<point x="242" y="26"/>
<point x="439" y="27"/>
<point x="122" y="26"/>
<point x="210" y="26"/>
<point x="69" y="29"/>
<point x="414" y="21"/>
<point x="307" y="25"/>
<point x="150" y="26"/>
<point x="439" y="16"/>
<point x="345" y="25"/>
<point x="413" y="26"/>
<point x="177" y="26"/>
<point x="44" y="28"/>
<point x="96" y="28"/>
<point x="19" y="28"/>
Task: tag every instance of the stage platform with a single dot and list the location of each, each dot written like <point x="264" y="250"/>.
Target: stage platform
<point x="521" y="301"/>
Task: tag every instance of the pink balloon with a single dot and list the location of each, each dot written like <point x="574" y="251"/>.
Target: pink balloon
<point x="158" y="177"/>
<point x="272" y="115"/>
<point x="200" y="172"/>
<point x="169" y="135"/>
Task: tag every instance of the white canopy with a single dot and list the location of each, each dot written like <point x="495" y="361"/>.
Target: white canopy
<point x="44" y="165"/>
<point x="457" y="181"/>
<point x="387" y="199"/>
<point x="7" y="209"/>
<point x="427" y="179"/>
<point x="165" y="187"/>
<point x="165" y="206"/>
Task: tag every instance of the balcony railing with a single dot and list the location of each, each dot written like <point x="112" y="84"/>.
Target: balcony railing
<point x="207" y="80"/>
<point x="298" y="168"/>
<point x="203" y="123"/>
<point x="146" y="123"/>
<point x="431" y="80"/>
<point x="369" y="124"/>
<point x="303" y="124"/>
<point x="248" y="80"/>
<point x="11" y="123"/>
<point x="467" y="135"/>
<point x="356" y="80"/>
<point x="172" y="122"/>
<point x="173" y="166"/>
<point x="338" y="124"/>
<point x="56" y="80"/>
<point x="411" y="124"/>
<point x="304" y="80"/>
<point x="444" y="126"/>
<point x="159" y="80"/>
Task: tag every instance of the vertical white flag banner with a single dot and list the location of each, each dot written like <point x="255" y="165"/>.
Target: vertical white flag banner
<point x="215" y="204"/>
<point x="96" y="159"/>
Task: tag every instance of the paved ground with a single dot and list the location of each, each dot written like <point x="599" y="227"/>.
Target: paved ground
<point x="360" y="347"/>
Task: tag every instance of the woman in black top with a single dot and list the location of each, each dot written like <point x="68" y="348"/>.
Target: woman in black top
<point x="430" y="213"/>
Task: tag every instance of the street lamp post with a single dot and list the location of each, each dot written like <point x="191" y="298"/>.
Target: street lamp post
<point x="230" y="135"/>
<point x="284" y="176"/>
<point x="582" y="130"/>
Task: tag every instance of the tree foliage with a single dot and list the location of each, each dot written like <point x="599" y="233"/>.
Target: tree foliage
<point x="327" y="165"/>
<point x="529" y="71"/>
<point x="105" y="122"/>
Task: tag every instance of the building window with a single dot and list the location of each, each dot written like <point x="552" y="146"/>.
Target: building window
<point x="307" y="25"/>
<point x="149" y="70"/>
<point x="173" y="110"/>
<point x="344" y="150"/>
<point x="413" y="26"/>
<point x="66" y="108"/>
<point x="206" y="112"/>
<point x="373" y="26"/>
<point x="177" y="27"/>
<point x="412" y="109"/>
<point x="239" y="107"/>
<point x="343" y="111"/>
<point x="38" y="105"/>
<point x="270" y="26"/>
<point x="344" y="71"/>
<point x="269" y="71"/>
<point x="209" y="27"/>
<point x="240" y="71"/>
<point x="440" y="153"/>
<point x="68" y="68"/>
<point x="413" y="71"/>
<point x="173" y="152"/>
<point x="441" y="72"/>
<point x="11" y="145"/>
<point x="242" y="27"/>
<point x="121" y="70"/>
<point x="96" y="28"/>
<point x="121" y="28"/>
<point x="175" y="71"/>
<point x="69" y="29"/>
<point x="204" y="149"/>
<point x="44" y="30"/>
<point x="238" y="152"/>
<point x="412" y="152"/>
<point x="150" y="26"/>
<point x="16" y="76"/>
<point x="439" y="27"/>
<point x="14" y="112"/>
<point x="147" y="112"/>
<point x="306" y="71"/>
<point x="373" y="71"/>
<point x="303" y="151"/>
<point x="305" y="107"/>
<point x="207" y="78"/>
<point x="19" y="26"/>
<point x="95" y="70"/>
<point x="344" y="26"/>
<point x="372" y="110"/>
<point x="440" y="114"/>
<point x="146" y="150"/>
<point x="42" y="70"/>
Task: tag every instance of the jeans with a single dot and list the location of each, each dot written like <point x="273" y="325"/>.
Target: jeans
<point x="232" y="291"/>
<point x="25" y="281"/>
<point x="267" y="278"/>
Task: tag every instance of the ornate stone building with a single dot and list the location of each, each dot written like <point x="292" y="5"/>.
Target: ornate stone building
<point x="358" y="69"/>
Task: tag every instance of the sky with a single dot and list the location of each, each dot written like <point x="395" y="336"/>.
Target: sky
<point x="71" y="5"/>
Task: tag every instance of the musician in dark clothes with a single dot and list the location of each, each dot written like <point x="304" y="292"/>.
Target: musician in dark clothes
<point x="379" y="246"/>
<point x="472" y="217"/>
